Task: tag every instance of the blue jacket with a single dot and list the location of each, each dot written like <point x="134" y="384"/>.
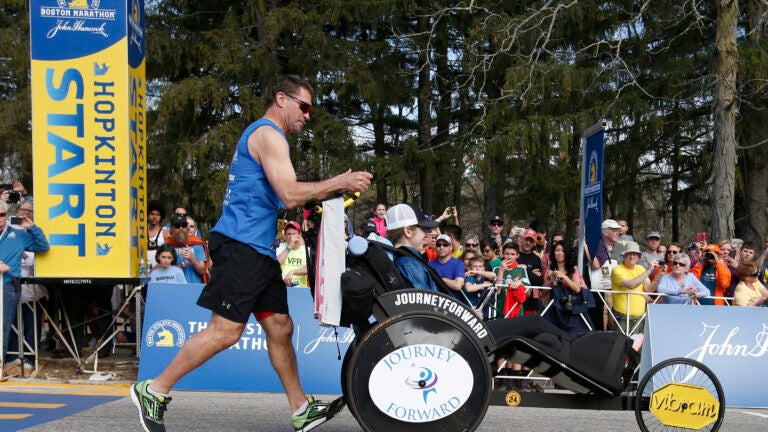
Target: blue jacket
<point x="13" y="242"/>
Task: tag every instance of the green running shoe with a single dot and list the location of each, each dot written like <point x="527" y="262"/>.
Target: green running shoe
<point x="151" y="407"/>
<point x="317" y="413"/>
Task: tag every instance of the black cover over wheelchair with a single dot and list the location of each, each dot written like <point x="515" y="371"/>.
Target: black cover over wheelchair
<point x="584" y="363"/>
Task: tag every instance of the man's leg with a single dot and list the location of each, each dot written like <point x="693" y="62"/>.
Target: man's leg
<point x="279" y="330"/>
<point x="220" y="334"/>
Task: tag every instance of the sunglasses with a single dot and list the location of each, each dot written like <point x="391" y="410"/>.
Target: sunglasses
<point x="495" y="224"/>
<point x="670" y="252"/>
<point x="678" y="264"/>
<point x="303" y="106"/>
<point x="442" y="245"/>
<point x="471" y="245"/>
<point x="180" y="225"/>
<point x="3" y="214"/>
<point x="755" y="274"/>
<point x="181" y="214"/>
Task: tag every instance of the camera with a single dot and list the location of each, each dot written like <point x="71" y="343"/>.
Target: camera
<point x="450" y="210"/>
<point x="13" y="196"/>
<point x="15" y="220"/>
<point x="709" y="255"/>
<point x="567" y="302"/>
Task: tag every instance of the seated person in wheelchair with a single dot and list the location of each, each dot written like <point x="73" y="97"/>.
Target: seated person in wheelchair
<point x="407" y="227"/>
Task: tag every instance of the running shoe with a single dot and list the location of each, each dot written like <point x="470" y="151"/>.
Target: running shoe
<point x="317" y="413"/>
<point x="151" y="407"/>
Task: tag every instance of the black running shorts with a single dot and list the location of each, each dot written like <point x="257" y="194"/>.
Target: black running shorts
<point x="243" y="281"/>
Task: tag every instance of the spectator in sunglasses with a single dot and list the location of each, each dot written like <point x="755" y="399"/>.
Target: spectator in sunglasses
<point x="680" y="286"/>
<point x="191" y="250"/>
<point x="749" y="291"/>
<point x="670" y="254"/>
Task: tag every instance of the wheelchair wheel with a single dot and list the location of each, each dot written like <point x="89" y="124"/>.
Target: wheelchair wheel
<point x="679" y="393"/>
<point x="418" y="371"/>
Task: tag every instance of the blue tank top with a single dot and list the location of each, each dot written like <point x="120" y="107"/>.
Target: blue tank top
<point x="249" y="213"/>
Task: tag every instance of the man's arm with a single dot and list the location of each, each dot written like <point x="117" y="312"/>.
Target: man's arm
<point x="268" y="147"/>
<point x="454" y="284"/>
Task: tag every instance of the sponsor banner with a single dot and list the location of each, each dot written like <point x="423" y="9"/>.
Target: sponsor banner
<point x="244" y="366"/>
<point x="88" y="135"/>
<point x="592" y="193"/>
<point x="732" y="341"/>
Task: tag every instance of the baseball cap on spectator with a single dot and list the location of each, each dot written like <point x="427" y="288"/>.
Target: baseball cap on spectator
<point x="367" y="227"/>
<point x="292" y="224"/>
<point x="691" y="245"/>
<point x="610" y="223"/>
<point x="632" y="247"/>
<point x="498" y="219"/>
<point x="529" y="233"/>
<point x="404" y="215"/>
<point x="712" y="247"/>
<point x="178" y="220"/>
<point x="653" y="234"/>
<point x="444" y="237"/>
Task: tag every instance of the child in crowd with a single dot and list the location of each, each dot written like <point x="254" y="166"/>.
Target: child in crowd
<point x="166" y="270"/>
<point x="407" y="227"/>
<point x="510" y="295"/>
<point x="476" y="280"/>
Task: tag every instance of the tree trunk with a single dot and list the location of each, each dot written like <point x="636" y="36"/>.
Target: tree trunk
<point x="425" y="122"/>
<point x="724" y="163"/>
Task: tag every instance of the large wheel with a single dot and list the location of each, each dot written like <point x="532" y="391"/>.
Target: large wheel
<point x="679" y="393"/>
<point x="418" y="371"/>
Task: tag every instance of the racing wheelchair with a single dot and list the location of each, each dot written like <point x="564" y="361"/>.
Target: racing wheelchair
<point x="423" y="358"/>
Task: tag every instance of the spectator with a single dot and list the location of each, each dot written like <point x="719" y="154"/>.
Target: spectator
<point x="749" y="291"/>
<point x="713" y="274"/>
<point x="532" y="264"/>
<point x="156" y="234"/>
<point x="630" y="277"/>
<point x="490" y="252"/>
<point x="541" y="247"/>
<point x="191" y="251"/>
<point x="407" y="227"/>
<point x="13" y="243"/>
<point x="694" y="251"/>
<point x="166" y="270"/>
<point x="624" y="235"/>
<point x="379" y="212"/>
<point x="451" y="269"/>
<point x="729" y="257"/>
<point x="430" y="251"/>
<point x="652" y="252"/>
<point x="662" y="250"/>
<point x="33" y="298"/>
<point x="747" y="252"/>
<point x="762" y="263"/>
<point x="292" y="256"/>
<point x="471" y="243"/>
<point x="680" y="286"/>
<point x="455" y="234"/>
<point x="366" y="228"/>
<point x="571" y="298"/>
<point x="673" y="250"/>
<point x="496" y="228"/>
<point x="476" y="280"/>
<point x="511" y="291"/>
<point x="17" y="194"/>
<point x="180" y="212"/>
<point x="607" y="256"/>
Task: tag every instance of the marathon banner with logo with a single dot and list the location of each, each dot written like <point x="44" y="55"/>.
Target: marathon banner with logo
<point x="89" y="135"/>
<point x="172" y="317"/>
<point x="592" y="187"/>
<point x="732" y="341"/>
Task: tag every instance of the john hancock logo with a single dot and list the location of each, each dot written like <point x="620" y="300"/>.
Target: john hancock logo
<point x="81" y="16"/>
<point x="166" y="334"/>
<point x="425" y="381"/>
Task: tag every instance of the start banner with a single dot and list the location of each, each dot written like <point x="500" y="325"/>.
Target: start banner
<point x="172" y="317"/>
<point x="89" y="135"/>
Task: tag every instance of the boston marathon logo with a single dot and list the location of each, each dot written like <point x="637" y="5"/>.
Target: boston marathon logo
<point x="136" y="33"/>
<point x="80" y="16"/>
<point x="404" y="383"/>
<point x="165" y="334"/>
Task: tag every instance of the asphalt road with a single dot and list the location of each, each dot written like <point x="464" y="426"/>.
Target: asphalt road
<point x="235" y="412"/>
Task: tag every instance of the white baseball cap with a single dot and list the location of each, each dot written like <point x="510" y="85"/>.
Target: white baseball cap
<point x="403" y="215"/>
